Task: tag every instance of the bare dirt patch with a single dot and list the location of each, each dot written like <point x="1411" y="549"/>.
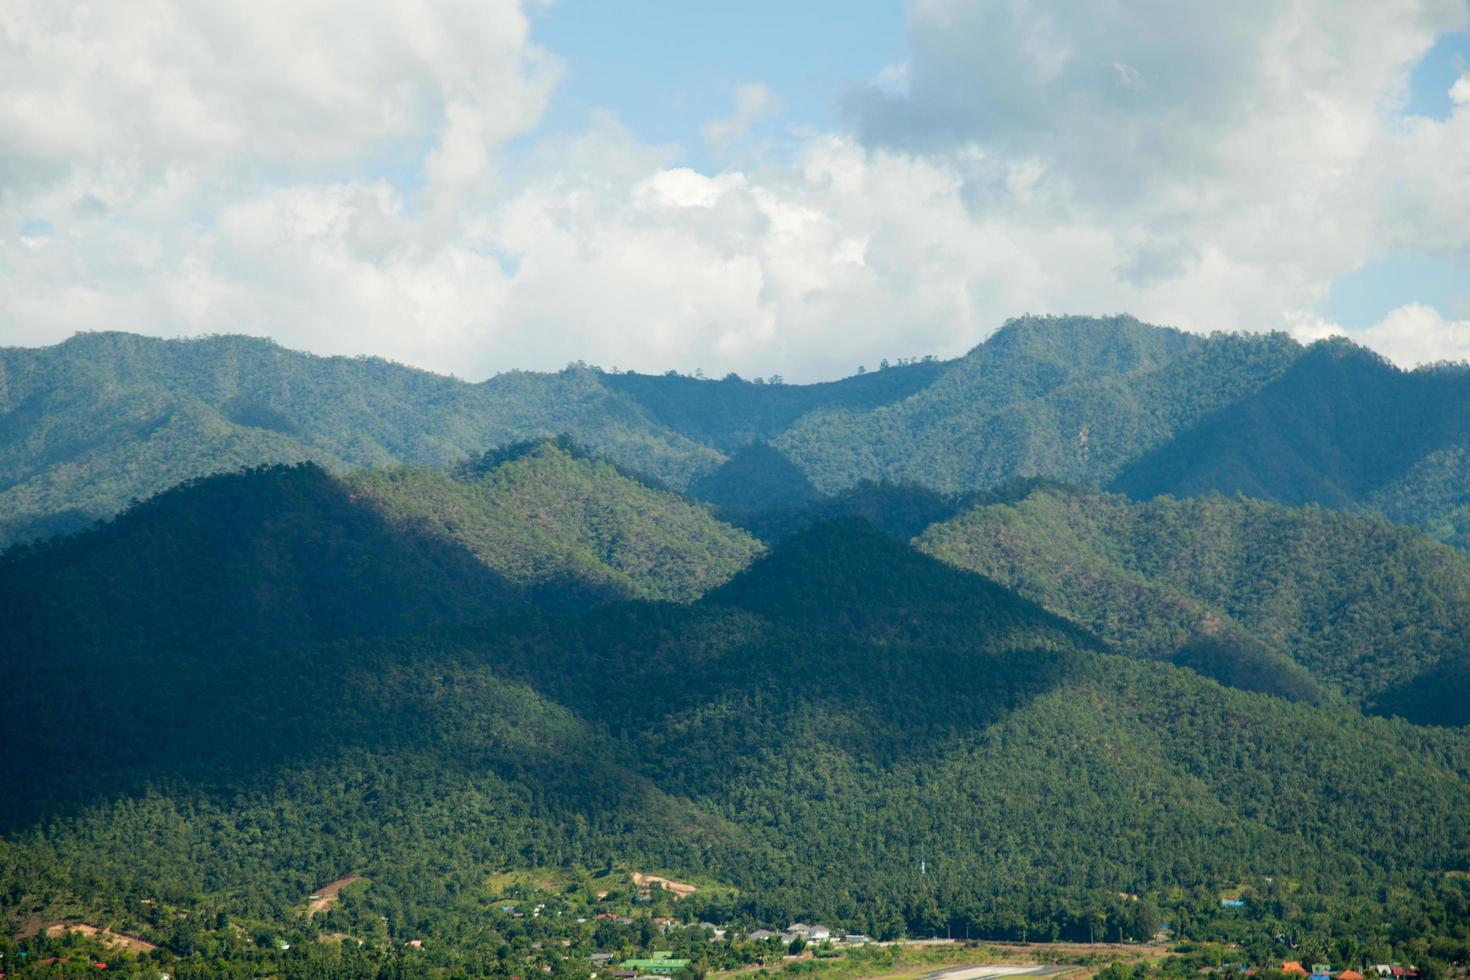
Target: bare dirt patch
<point x="323" y="897"/>
<point x="680" y="889"/>
<point x="131" y="944"/>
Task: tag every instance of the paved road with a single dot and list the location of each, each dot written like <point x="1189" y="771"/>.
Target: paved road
<point x="993" y="971"/>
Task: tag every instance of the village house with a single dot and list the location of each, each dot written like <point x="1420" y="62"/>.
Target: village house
<point x="795" y="931"/>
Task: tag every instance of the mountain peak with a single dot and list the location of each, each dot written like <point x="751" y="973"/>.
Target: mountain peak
<point x="757" y="476"/>
<point x="844" y="571"/>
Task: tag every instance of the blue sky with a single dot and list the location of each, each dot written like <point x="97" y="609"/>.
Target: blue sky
<point x="1364" y="296"/>
<point x="664" y="69"/>
<point x="1438" y="70"/>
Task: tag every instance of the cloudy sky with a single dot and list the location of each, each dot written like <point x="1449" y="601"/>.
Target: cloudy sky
<point x="761" y="187"/>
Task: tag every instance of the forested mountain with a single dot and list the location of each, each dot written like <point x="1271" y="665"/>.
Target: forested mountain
<point x="755" y="477"/>
<point x="569" y="527"/>
<point x="902" y="510"/>
<point x="280" y="554"/>
<point x="290" y="554"/>
<point x="1263" y="591"/>
<point x="783" y="641"/>
<point x="732" y="412"/>
<point x="801" y="734"/>
<point x="104" y="418"/>
<point x="1069" y="398"/>
<point x="1342" y="428"/>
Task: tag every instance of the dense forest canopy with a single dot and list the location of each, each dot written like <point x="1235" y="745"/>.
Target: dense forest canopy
<point x="1357" y="603"/>
<point x="730" y="739"/>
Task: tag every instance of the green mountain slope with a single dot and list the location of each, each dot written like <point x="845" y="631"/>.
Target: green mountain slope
<point x="553" y="520"/>
<point x="755" y="477"/>
<point x="1342" y="428"/>
<point x="272" y="555"/>
<point x="1361" y="605"/>
<point x="731" y="412"/>
<point x="89" y="424"/>
<point x="1068" y="398"/>
<point x="803" y="733"/>
<point x="900" y="510"/>
<point x="104" y="418"/>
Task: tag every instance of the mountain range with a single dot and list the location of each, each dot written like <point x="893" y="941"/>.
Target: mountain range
<point x="1096" y="625"/>
<point x="103" y="419"/>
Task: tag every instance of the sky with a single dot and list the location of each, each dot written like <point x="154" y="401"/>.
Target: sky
<point x="474" y="186"/>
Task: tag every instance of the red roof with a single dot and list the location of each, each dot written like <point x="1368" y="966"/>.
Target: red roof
<point x="1292" y="966"/>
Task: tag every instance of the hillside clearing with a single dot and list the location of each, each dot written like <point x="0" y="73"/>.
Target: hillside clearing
<point x="323" y="897"/>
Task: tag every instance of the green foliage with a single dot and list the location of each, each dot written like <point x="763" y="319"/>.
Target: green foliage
<point x="104" y="418"/>
<point x="280" y="554"/>
<point x="900" y="510"/>
<point x="1341" y="428"/>
<point x="255" y="684"/>
<point x="92" y="423"/>
<point x="804" y="733"/>
<point x="1071" y="398"/>
<point x="756" y="477"/>
<point x="566" y="526"/>
<point x="731" y="413"/>
<point x="1244" y="591"/>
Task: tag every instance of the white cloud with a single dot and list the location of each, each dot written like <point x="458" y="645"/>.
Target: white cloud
<point x="1460" y="91"/>
<point x="1410" y="336"/>
<point x="1416" y="334"/>
<point x="1128" y="76"/>
<point x="270" y="90"/>
<point x="220" y="172"/>
<point x="753" y="102"/>
<point x="893" y="79"/>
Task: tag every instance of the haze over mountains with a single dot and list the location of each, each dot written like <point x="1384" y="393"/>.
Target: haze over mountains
<point x="1098" y="610"/>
